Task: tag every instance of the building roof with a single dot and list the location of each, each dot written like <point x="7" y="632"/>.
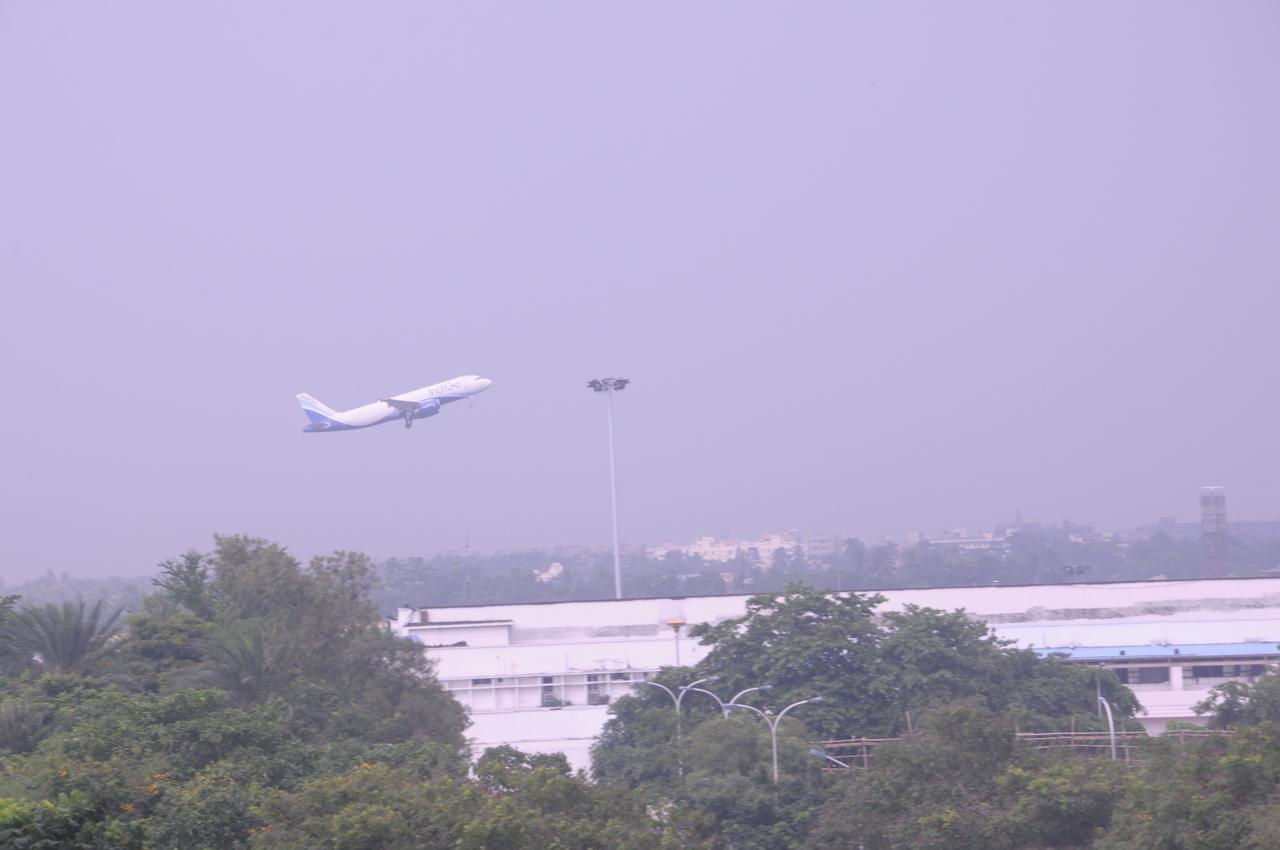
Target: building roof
<point x="426" y="624"/>
<point x="1153" y="582"/>
<point x="1156" y="651"/>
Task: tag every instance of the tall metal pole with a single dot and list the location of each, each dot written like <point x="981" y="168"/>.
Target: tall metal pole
<point x="610" y="386"/>
<point x="613" y="500"/>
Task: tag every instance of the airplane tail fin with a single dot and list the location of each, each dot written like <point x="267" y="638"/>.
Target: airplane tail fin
<point x="323" y="417"/>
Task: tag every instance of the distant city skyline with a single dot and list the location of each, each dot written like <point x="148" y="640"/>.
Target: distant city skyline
<point x="940" y="536"/>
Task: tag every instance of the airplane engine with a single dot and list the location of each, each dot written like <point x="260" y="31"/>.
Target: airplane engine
<point x="427" y="408"/>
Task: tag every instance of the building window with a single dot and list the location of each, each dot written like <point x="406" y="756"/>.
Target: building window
<point x="596" y="689"/>
<point x="549" y="691"/>
<point x="1142" y="675"/>
<point x="482" y="682"/>
<point x="1153" y="675"/>
<point x="620" y="677"/>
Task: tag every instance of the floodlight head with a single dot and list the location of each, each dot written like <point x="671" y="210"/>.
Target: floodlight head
<point x="815" y="699"/>
<point x="814" y="751"/>
<point x="713" y="679"/>
<point x="601" y="385"/>
<point x="765" y="688"/>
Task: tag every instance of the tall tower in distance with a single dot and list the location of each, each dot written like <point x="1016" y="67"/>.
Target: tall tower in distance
<point x="1213" y="528"/>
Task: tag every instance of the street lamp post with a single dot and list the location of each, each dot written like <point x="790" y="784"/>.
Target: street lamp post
<point x="677" y="699"/>
<point x="773" y="720"/>
<point x="1111" y="726"/>
<point x="676" y="624"/>
<point x="610" y="386"/>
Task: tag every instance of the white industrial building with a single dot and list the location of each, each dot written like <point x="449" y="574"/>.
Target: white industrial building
<point x="810" y="545"/>
<point x="540" y="676"/>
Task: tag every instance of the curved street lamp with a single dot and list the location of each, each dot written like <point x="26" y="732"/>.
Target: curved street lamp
<point x="817" y="753"/>
<point x="1111" y="726"/>
<point x="773" y="720"/>
<point x="740" y="694"/>
<point x="677" y="699"/>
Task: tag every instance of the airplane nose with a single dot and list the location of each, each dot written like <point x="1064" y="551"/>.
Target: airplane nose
<point x="485" y="383"/>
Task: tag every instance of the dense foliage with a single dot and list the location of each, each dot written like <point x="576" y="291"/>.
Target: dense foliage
<point x="964" y="782"/>
<point x="254" y="703"/>
<point x="257" y="702"/>
<point x="874" y="673"/>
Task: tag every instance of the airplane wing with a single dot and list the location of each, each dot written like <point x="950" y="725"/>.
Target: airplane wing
<point x="401" y="404"/>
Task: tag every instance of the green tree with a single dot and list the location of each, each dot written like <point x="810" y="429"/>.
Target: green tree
<point x="1214" y="794"/>
<point x="186" y="581"/>
<point x="292" y="679"/>
<point x="962" y="781"/>
<point x="1234" y="704"/>
<point x="165" y="640"/>
<point x="504" y="768"/>
<point x="872" y="671"/>
<point x="22" y="724"/>
<point x="875" y="673"/>
<point x="377" y="808"/>
<point x="729" y="781"/>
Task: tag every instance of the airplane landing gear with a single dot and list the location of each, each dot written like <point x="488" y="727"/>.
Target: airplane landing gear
<point x="408" y="421"/>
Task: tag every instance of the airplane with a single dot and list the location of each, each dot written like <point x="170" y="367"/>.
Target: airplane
<point x="415" y="404"/>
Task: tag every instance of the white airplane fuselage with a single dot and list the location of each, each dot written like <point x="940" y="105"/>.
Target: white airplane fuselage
<point x="406" y="407"/>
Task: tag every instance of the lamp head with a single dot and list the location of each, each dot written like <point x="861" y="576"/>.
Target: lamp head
<point x="815" y="699"/>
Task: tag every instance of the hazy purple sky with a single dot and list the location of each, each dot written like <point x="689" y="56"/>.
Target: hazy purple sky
<point x="873" y="268"/>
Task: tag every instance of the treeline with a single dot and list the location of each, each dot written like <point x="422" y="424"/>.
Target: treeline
<point x="1035" y="556"/>
<point x="257" y="702"/>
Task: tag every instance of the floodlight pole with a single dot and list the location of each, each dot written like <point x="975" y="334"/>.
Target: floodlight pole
<point x="609" y="386"/>
<point x="613" y="501"/>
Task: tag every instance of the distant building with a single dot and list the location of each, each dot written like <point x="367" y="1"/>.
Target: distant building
<point x="1213" y="528"/>
<point x="1169" y="678"/>
<point x="811" y="546"/>
<point x="995" y="540"/>
<point x="553" y="571"/>
<point x="1249" y="532"/>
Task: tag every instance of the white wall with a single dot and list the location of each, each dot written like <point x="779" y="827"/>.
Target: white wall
<point x="568" y="640"/>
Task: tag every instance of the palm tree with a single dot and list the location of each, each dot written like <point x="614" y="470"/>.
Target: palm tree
<point x="64" y="638"/>
<point x="248" y="659"/>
